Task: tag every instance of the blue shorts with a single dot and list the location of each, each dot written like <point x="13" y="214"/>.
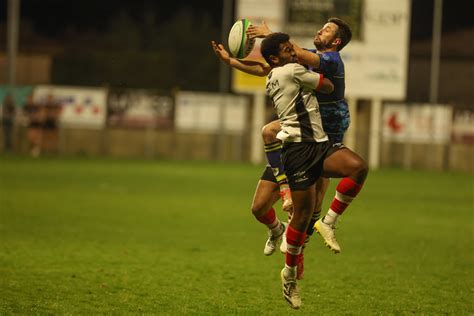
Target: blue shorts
<point x="336" y="138"/>
<point x="336" y="120"/>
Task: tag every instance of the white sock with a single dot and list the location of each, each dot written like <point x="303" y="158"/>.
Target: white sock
<point x="277" y="229"/>
<point x="330" y="218"/>
<point x="289" y="272"/>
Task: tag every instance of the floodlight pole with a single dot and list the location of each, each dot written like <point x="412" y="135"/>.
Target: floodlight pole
<point x="13" y="20"/>
<point x="435" y="50"/>
<point x="224" y="74"/>
<point x="224" y="70"/>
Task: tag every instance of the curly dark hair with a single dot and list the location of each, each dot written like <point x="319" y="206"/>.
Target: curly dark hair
<point x="271" y="45"/>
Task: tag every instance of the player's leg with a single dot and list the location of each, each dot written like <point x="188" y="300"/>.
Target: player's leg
<point x="320" y="190"/>
<point x="303" y="204"/>
<point x="346" y="164"/>
<point x="273" y="153"/>
<point x="266" y="194"/>
<point x="304" y="163"/>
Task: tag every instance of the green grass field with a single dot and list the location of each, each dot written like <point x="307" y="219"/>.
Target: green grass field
<point x="95" y="236"/>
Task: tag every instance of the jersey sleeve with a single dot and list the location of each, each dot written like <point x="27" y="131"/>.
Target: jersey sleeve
<point x="328" y="63"/>
<point x="306" y="78"/>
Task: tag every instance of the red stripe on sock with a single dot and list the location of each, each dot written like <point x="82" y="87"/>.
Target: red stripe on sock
<point x="349" y="187"/>
<point x="292" y="260"/>
<point x="338" y="206"/>
<point x="294" y="238"/>
<point x="268" y="218"/>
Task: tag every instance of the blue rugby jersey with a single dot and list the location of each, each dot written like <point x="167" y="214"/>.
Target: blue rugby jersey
<point x="333" y="107"/>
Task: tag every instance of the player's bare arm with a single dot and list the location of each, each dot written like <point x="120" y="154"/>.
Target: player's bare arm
<point x="248" y="66"/>
<point x="326" y="86"/>
<point x="304" y="57"/>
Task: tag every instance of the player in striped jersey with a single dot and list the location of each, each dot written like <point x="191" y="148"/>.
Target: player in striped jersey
<point x="273" y="182"/>
<point x="329" y="40"/>
<point x="307" y="153"/>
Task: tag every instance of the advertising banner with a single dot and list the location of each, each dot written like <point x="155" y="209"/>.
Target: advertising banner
<point x="19" y="93"/>
<point x="417" y="123"/>
<point x="81" y="107"/>
<point x="376" y="60"/>
<point x="463" y="126"/>
<point x="273" y="13"/>
<point x="211" y="112"/>
<point x="139" y="108"/>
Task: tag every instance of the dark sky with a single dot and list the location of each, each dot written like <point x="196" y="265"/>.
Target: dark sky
<point x="51" y="17"/>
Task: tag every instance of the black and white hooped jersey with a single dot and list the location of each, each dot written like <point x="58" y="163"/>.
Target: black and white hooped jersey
<point x="291" y="88"/>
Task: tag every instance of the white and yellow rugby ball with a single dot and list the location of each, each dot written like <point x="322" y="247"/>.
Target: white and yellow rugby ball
<point x="239" y="44"/>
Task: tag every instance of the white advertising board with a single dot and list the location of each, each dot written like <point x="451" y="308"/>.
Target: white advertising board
<point x="417" y="123"/>
<point x="376" y="66"/>
<point x="375" y="60"/>
<point x="463" y="126"/>
<point x="273" y="13"/>
<point x="210" y="112"/>
<point x="81" y="106"/>
<point x="139" y="108"/>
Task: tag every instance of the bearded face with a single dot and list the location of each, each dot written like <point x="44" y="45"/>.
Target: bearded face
<point x="326" y="37"/>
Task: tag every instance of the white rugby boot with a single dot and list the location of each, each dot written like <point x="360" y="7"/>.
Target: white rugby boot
<point x="273" y="241"/>
<point x="327" y="232"/>
<point x="291" y="292"/>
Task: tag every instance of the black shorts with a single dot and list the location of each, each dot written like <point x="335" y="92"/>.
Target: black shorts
<point x="268" y="175"/>
<point x="304" y="162"/>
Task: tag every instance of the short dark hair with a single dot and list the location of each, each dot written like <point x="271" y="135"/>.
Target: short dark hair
<point x="271" y="45"/>
<point x="343" y="32"/>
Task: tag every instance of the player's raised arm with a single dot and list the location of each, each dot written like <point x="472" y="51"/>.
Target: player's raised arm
<point x="248" y="66"/>
<point x="304" y="57"/>
<point x="259" y="31"/>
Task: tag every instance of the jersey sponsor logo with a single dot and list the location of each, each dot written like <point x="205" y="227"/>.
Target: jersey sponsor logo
<point x="272" y="85"/>
<point x="299" y="173"/>
<point x="303" y="178"/>
<point x="300" y="176"/>
<point x="338" y="145"/>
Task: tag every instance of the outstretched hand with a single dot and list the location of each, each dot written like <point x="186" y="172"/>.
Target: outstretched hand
<point x="221" y="52"/>
<point x="259" y="31"/>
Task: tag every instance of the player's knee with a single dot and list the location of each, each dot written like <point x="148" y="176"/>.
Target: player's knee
<point x="360" y="169"/>
<point x="258" y="209"/>
<point x="269" y="134"/>
<point x="300" y="222"/>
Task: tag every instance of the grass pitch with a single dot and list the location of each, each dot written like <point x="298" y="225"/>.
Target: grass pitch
<point x="83" y="236"/>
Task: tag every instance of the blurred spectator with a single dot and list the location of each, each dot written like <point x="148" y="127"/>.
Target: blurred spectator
<point x="36" y="119"/>
<point x="8" y="120"/>
<point x="52" y="110"/>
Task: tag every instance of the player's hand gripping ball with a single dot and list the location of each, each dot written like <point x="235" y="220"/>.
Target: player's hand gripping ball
<point x="240" y="45"/>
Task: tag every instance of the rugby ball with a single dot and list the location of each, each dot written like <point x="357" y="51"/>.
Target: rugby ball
<point x="239" y="44"/>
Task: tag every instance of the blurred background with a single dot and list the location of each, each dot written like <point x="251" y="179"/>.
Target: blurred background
<point x="139" y="79"/>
